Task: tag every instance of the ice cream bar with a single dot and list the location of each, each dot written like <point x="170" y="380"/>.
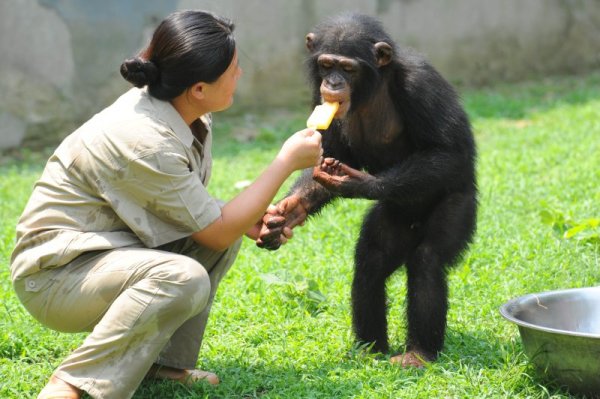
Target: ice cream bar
<point x="322" y="116"/>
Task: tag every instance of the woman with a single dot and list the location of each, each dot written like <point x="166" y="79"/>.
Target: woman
<point x="120" y="236"/>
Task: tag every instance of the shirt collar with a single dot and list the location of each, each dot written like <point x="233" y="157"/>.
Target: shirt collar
<point x="169" y="115"/>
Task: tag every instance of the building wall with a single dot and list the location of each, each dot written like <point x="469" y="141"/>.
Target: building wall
<point x="60" y="58"/>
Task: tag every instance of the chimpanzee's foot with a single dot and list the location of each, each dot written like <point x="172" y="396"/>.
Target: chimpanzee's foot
<point x="411" y="359"/>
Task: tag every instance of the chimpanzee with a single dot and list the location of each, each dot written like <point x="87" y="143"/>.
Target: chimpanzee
<point x="402" y="139"/>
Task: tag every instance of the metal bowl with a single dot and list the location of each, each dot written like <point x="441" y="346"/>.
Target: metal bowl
<point x="561" y="335"/>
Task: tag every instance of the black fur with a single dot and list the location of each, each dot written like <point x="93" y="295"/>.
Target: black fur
<point x="407" y="129"/>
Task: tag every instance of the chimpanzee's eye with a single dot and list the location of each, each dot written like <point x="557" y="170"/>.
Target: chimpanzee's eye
<point x="348" y="68"/>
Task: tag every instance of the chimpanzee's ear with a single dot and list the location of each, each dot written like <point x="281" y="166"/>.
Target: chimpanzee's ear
<point x="383" y="53"/>
<point x="310" y="41"/>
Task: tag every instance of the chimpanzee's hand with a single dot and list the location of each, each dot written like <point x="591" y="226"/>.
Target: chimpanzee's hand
<point x="290" y="212"/>
<point x="343" y="180"/>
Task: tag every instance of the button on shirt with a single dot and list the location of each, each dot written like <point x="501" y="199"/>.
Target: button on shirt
<point x="133" y="175"/>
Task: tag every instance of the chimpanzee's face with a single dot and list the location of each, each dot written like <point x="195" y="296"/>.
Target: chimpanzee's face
<point x="337" y="75"/>
<point x="346" y="71"/>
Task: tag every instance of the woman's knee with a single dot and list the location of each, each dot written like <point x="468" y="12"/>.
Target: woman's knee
<point x="186" y="281"/>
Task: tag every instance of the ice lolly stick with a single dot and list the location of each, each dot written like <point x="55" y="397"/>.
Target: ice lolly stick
<point x="322" y="116"/>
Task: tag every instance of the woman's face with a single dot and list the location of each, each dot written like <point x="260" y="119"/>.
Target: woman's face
<point x="219" y="94"/>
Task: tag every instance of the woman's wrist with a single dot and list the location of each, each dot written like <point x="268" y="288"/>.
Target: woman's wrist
<point x="282" y="162"/>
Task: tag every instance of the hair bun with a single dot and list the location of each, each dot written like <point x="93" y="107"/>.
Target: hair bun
<point x="139" y="72"/>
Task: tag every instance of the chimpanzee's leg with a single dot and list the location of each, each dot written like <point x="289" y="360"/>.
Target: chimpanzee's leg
<point x="381" y="248"/>
<point x="427" y="301"/>
<point x="445" y="234"/>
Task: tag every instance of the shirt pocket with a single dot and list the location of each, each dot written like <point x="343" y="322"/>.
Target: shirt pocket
<point x="39" y="281"/>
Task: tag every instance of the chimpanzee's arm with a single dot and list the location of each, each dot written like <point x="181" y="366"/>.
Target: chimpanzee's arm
<point x="418" y="178"/>
<point x="313" y="194"/>
<point x="306" y="197"/>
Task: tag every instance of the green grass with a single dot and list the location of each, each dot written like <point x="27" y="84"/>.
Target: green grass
<point x="281" y="327"/>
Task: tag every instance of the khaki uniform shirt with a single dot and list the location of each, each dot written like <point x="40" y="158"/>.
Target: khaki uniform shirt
<point x="133" y="175"/>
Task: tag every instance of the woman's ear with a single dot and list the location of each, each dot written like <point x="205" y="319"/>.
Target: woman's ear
<point x="197" y="91"/>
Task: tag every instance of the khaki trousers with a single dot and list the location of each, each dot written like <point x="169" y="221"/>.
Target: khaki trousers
<point x="142" y="306"/>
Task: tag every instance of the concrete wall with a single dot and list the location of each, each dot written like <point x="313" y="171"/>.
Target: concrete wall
<point x="59" y="58"/>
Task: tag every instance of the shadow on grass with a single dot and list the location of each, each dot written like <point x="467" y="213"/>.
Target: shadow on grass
<point x="244" y="381"/>
<point x="480" y="351"/>
<point x="357" y="372"/>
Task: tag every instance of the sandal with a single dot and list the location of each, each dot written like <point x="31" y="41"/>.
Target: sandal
<point x="194" y="376"/>
<point x="185" y="376"/>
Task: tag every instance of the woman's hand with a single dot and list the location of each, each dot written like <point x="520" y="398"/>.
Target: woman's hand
<point x="302" y="150"/>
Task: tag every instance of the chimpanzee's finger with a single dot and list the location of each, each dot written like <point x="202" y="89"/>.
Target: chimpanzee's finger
<point x="287" y="232"/>
<point x="273" y="221"/>
<point x="282" y="239"/>
<point x="268" y="244"/>
<point x="267" y="234"/>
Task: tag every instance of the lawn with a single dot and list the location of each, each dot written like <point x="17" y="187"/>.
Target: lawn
<point x="281" y="326"/>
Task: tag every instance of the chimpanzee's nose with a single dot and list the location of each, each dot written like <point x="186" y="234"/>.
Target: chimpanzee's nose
<point x="335" y="83"/>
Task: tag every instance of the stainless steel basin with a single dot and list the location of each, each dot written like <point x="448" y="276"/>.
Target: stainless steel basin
<point x="560" y="331"/>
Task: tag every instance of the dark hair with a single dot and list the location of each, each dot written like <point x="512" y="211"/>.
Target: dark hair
<point x="187" y="47"/>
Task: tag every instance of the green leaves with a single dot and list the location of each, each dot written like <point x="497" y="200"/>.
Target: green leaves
<point x="304" y="293"/>
<point x="587" y="230"/>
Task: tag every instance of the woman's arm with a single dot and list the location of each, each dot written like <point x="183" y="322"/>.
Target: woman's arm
<point x="300" y="151"/>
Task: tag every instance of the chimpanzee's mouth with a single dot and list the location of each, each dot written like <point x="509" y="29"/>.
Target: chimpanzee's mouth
<point x="342" y="110"/>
